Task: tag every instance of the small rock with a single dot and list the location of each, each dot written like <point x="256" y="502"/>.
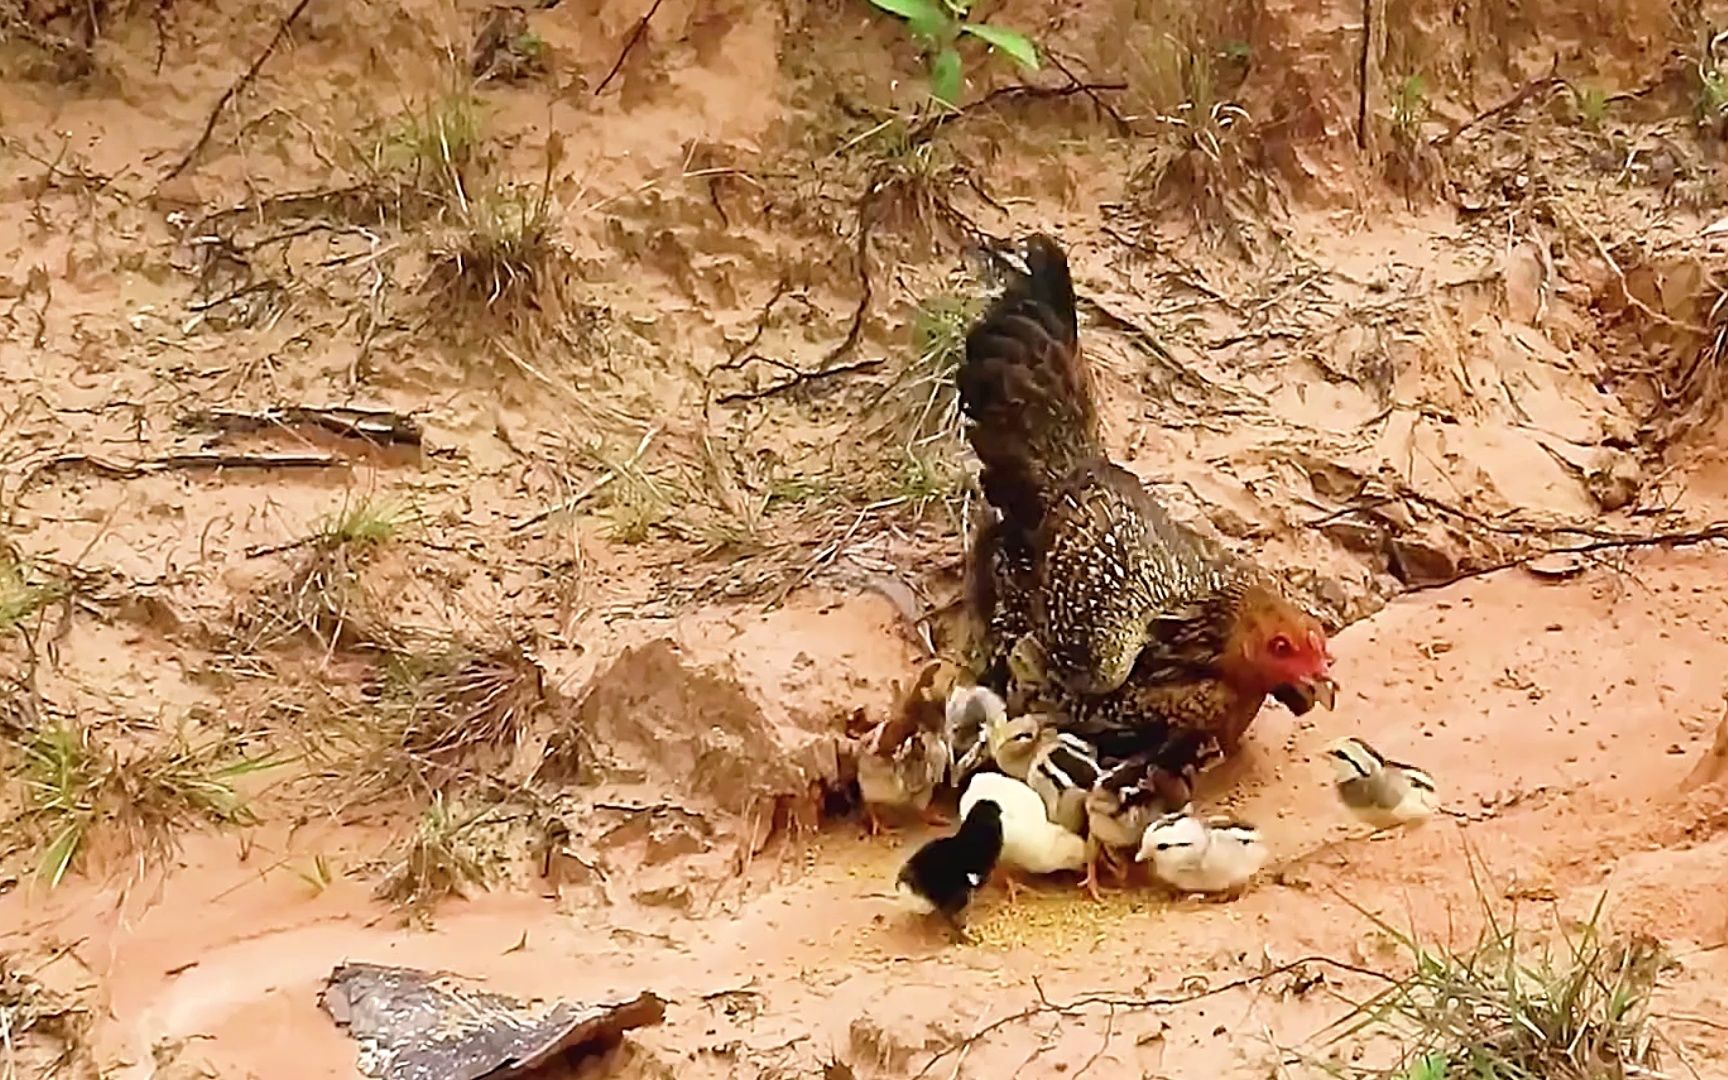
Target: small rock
<point x="1556" y="565"/>
<point x="1419" y="561"/>
<point x="1361" y="537"/>
<point x="672" y="896"/>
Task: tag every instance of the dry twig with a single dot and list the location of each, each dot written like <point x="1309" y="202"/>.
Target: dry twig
<point x="1069" y="1008"/>
<point x="381" y="426"/>
<point x="630" y="44"/>
<point x="1550" y="82"/>
<point x="238" y="85"/>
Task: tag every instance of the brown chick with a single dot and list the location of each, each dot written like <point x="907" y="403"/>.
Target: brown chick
<point x="902" y="760"/>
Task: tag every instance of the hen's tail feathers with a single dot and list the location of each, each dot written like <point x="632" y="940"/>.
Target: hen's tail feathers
<point x="1025" y="390"/>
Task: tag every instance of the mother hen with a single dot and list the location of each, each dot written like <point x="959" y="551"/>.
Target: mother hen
<point x="1146" y="637"/>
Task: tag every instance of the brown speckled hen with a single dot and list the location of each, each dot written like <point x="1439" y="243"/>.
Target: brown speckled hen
<point x="1149" y="638"/>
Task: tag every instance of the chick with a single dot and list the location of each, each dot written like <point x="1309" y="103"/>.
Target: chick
<point x="1212" y="855"/>
<point x="1013" y="742"/>
<point x="1383" y="793"/>
<point x="904" y="758"/>
<point x="1031" y="842"/>
<point x="970" y="712"/>
<point x="942" y="875"/>
<point x="1063" y="772"/>
<point x="1119" y="807"/>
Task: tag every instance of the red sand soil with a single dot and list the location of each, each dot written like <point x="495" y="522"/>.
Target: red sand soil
<point x="711" y="624"/>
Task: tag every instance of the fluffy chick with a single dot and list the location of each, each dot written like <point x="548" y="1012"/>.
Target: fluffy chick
<point x="1009" y="741"/>
<point x="1031" y="842"/>
<point x="1211" y="855"/>
<point x="905" y="757"/>
<point x="1063" y="772"/>
<point x="1119" y="807"/>
<point x="1384" y="794"/>
<point x="942" y="875"/>
<point x="970" y="713"/>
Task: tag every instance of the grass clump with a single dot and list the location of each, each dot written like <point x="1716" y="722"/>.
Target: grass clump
<point x="497" y="265"/>
<point x="1202" y="145"/>
<point x="910" y="172"/>
<point x="431" y="150"/>
<point x="1590" y="105"/>
<point x="76" y="786"/>
<point x="499" y="256"/>
<point x="439" y="711"/>
<point x="1413" y="164"/>
<point x="363" y="526"/>
<point x="1711" y="103"/>
<point x="325" y="598"/>
<point x="1509" y="1009"/>
<point x="920" y="410"/>
<point x="1409" y="107"/>
<point x="929" y="397"/>
<point x="438" y="861"/>
<point x="444" y="705"/>
<point x="21" y="596"/>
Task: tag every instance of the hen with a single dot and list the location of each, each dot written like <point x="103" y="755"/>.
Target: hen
<point x="1147" y="637"/>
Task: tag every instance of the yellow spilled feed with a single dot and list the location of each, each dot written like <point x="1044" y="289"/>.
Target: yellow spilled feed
<point x="1052" y="914"/>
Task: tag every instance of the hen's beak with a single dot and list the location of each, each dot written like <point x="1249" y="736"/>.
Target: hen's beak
<point x="1300" y="698"/>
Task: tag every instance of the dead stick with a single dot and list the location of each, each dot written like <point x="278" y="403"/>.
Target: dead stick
<point x="1550" y="81"/>
<point x="629" y="44"/>
<point x="1714" y="533"/>
<point x="199" y="461"/>
<point x="1045" y="1005"/>
<point x="803" y="378"/>
<point x="1123" y="127"/>
<point x="239" y="84"/>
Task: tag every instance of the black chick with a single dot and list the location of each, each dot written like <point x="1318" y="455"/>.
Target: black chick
<point x="941" y="876"/>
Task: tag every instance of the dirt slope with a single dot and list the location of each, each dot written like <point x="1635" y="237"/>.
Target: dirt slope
<point x="656" y="475"/>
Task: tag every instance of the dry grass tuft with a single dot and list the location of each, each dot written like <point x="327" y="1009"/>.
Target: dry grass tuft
<point x="76" y="786"/>
<point x="22" y="592"/>
<point x="497" y="266"/>
<point x="441" y="712"/>
<point x="437" y="862"/>
<point x="1508" y="1009"/>
<point x="1202" y="153"/>
<point x="325" y="598"/>
<point x="44" y="1034"/>
<point x="460" y="698"/>
<point x="910" y="172"/>
<point x="923" y="402"/>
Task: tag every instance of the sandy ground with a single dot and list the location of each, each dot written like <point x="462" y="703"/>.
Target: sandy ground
<point x="1384" y="397"/>
<point x="1565" y="755"/>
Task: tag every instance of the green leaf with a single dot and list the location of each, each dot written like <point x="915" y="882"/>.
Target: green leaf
<point x="913" y="11"/>
<point x="58" y="858"/>
<point x="1428" y="1067"/>
<point x="1015" y="44"/>
<point x="945" y="77"/>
